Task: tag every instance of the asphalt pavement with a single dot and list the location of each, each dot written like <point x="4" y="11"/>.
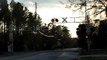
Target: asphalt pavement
<point x="65" y="54"/>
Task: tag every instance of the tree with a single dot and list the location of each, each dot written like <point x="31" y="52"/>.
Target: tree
<point x="62" y="35"/>
<point x="4" y="13"/>
<point x="18" y="16"/>
<point x="30" y="31"/>
<point x="103" y="2"/>
<point x="24" y="24"/>
<point x="93" y="8"/>
<point x="5" y="21"/>
<point x="102" y="35"/>
<point x="81" y="33"/>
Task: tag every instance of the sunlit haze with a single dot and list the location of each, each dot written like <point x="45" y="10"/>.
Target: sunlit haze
<point x="52" y="9"/>
<point x="48" y="13"/>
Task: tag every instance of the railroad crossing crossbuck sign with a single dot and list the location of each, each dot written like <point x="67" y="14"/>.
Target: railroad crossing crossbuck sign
<point x="79" y="19"/>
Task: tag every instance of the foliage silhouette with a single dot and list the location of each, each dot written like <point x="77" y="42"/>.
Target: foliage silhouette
<point x="26" y="33"/>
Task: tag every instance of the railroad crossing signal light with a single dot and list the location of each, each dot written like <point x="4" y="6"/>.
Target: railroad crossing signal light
<point x="54" y="20"/>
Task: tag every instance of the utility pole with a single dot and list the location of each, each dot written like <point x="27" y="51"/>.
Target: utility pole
<point x="86" y="13"/>
<point x="36" y="10"/>
<point x="10" y="43"/>
<point x="35" y="7"/>
<point x="10" y="46"/>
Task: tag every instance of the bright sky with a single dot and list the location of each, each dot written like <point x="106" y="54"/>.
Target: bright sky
<point x="48" y="9"/>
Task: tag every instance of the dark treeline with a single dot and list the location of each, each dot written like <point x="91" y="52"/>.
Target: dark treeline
<point x="28" y="32"/>
<point x="96" y="35"/>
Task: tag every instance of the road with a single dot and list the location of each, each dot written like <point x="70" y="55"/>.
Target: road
<point x="66" y="54"/>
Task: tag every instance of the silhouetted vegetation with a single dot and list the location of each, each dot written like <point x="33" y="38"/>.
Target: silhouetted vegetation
<point x="97" y="36"/>
<point x="28" y="32"/>
<point x="102" y="34"/>
<point x="81" y="32"/>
